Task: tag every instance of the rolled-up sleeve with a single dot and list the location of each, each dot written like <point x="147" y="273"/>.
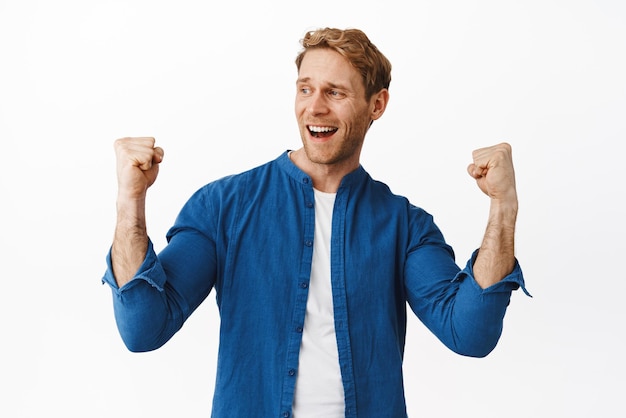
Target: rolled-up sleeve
<point x="478" y="314"/>
<point x="449" y="301"/>
<point x="141" y="310"/>
<point x="167" y="287"/>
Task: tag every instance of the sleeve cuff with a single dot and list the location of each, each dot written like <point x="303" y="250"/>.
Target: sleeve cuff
<point x="150" y="271"/>
<point x="512" y="281"/>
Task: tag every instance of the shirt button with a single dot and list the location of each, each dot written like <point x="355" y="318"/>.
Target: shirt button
<point x="304" y="285"/>
<point x="299" y="329"/>
<point x="305" y="180"/>
<point x="292" y="372"/>
<point x="285" y="414"/>
<point x="309" y="204"/>
<point x="308" y="243"/>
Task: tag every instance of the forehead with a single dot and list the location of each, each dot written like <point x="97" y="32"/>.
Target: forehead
<point x="325" y="66"/>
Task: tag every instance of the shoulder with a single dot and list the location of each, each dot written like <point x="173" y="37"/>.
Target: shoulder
<point x="381" y="194"/>
<point x="238" y="181"/>
<point x="265" y="178"/>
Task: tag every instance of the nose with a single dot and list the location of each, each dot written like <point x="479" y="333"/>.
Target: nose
<point x="317" y="104"/>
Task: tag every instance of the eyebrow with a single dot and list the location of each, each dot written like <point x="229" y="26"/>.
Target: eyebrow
<point x="331" y="85"/>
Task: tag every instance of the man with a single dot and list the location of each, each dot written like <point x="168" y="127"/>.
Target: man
<point x="313" y="262"/>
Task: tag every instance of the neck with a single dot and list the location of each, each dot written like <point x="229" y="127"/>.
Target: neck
<point x="326" y="177"/>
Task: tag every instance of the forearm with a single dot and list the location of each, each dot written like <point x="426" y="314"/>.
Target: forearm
<point x="496" y="257"/>
<point x="130" y="240"/>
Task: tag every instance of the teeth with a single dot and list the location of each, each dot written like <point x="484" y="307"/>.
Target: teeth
<point x="320" y="129"/>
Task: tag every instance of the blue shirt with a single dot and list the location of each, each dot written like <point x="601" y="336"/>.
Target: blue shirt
<point x="250" y="236"/>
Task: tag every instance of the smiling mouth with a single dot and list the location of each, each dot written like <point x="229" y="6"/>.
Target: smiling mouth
<point x="321" y="131"/>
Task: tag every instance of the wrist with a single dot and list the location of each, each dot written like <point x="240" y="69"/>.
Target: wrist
<point x="131" y="211"/>
<point x="505" y="206"/>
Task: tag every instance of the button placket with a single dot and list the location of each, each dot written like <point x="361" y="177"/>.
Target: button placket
<point x="302" y="283"/>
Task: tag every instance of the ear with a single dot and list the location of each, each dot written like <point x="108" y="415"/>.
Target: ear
<point x="379" y="103"/>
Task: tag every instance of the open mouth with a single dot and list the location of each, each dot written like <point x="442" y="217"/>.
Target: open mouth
<point x="321" y="131"/>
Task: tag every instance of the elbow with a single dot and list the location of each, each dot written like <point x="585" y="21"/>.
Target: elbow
<point x="140" y="336"/>
<point x="137" y="343"/>
<point x="138" y="348"/>
<point x="135" y="348"/>
<point x="475" y="352"/>
<point x="476" y="344"/>
<point x="143" y="326"/>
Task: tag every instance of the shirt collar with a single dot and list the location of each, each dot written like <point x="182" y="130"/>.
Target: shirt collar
<point x="285" y="163"/>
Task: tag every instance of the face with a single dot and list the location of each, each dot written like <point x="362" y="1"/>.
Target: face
<point x="333" y="115"/>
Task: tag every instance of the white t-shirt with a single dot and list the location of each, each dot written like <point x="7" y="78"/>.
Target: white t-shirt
<point x="319" y="388"/>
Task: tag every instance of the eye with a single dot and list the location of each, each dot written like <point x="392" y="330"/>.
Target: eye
<point x="335" y="94"/>
<point x="305" y="90"/>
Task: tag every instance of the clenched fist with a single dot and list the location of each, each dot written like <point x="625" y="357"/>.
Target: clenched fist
<point x="137" y="165"/>
<point x="493" y="170"/>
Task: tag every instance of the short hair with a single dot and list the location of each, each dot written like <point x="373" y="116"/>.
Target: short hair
<point x="355" y="46"/>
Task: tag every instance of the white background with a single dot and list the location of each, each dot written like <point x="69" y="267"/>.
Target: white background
<point x="215" y="85"/>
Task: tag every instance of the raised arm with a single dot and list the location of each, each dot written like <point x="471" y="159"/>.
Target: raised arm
<point x="137" y="168"/>
<point x="493" y="170"/>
